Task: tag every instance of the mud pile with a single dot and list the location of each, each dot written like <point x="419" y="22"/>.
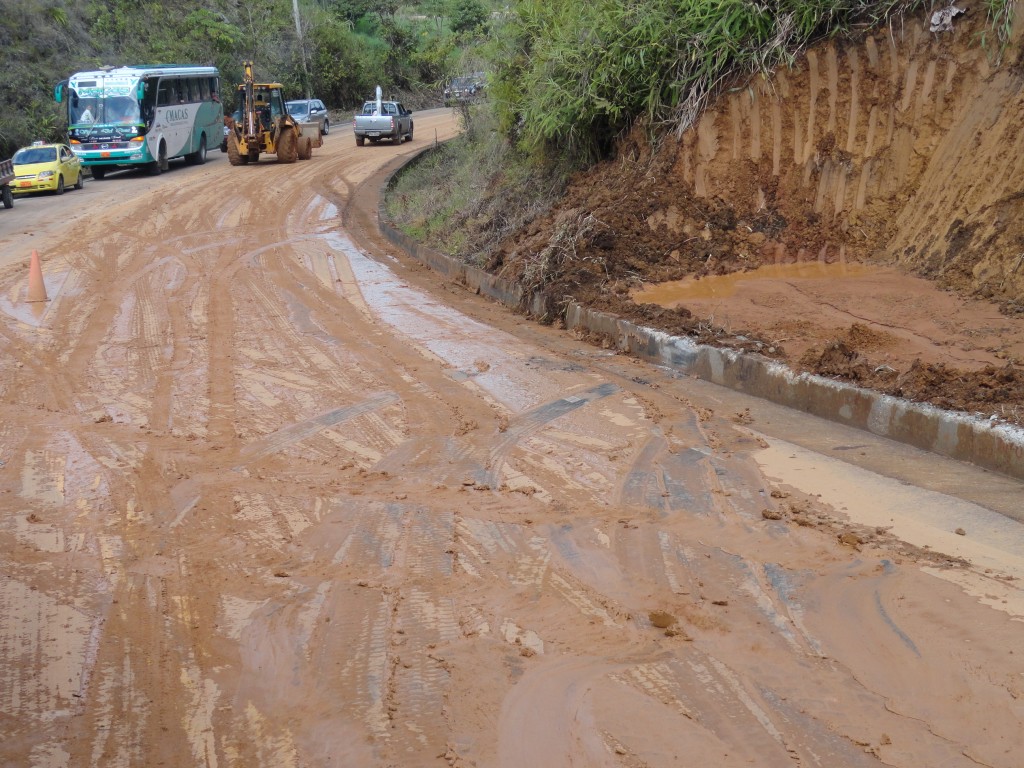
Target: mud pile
<point x="901" y="149"/>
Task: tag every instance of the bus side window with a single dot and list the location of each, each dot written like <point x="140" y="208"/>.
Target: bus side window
<point x="204" y="89"/>
<point x="163" y="96"/>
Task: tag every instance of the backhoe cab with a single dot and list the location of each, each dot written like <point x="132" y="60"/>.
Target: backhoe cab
<point x="264" y="125"/>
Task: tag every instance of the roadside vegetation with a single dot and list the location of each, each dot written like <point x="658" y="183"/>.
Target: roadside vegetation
<point x="471" y="193"/>
<point x="571" y="80"/>
<point x="339" y="51"/>
<point x="574" y="76"/>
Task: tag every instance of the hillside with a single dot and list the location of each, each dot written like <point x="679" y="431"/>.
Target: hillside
<point x="901" y="149"/>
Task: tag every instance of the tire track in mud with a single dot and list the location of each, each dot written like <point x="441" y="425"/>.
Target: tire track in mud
<point x="116" y="728"/>
<point x="424" y="618"/>
<point x="122" y="720"/>
<point x="351" y="653"/>
<point x="668" y="479"/>
<point x="534" y="420"/>
<point x="293" y="433"/>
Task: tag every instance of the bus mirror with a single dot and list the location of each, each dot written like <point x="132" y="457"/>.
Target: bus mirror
<point x="58" y="92"/>
<point x="140" y="90"/>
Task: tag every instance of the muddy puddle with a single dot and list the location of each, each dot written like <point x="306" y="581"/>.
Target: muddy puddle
<point x="672" y="293"/>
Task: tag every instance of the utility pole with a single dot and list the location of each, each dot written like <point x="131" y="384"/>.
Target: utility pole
<point x="302" y="48"/>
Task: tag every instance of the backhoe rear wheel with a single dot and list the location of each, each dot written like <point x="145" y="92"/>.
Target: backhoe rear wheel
<point x="287" y="146"/>
<point x="234" y="156"/>
<point x="305" y="147"/>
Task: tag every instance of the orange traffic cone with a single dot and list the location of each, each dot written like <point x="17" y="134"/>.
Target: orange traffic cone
<point x="36" y="286"/>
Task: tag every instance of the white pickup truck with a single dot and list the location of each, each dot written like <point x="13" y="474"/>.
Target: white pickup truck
<point x="380" y="119"/>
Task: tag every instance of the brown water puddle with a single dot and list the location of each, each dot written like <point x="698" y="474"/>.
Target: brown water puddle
<point x="672" y="293"/>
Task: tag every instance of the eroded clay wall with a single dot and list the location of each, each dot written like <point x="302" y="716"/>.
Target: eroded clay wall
<point x="903" y="146"/>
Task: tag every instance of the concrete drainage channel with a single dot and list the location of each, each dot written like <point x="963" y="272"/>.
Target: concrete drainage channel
<point x="995" y="446"/>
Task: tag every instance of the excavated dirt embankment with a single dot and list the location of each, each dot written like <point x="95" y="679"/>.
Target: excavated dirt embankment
<point x="895" y="162"/>
<point x="904" y="147"/>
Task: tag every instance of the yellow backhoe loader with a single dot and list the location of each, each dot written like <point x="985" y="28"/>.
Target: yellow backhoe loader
<point x="262" y="125"/>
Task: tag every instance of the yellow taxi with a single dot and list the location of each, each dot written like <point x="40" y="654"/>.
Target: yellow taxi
<point x="46" y="168"/>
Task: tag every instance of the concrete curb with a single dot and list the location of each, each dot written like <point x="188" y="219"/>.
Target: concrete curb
<point x="998" y="447"/>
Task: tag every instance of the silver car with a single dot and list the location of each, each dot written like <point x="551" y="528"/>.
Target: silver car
<point x="310" y="111"/>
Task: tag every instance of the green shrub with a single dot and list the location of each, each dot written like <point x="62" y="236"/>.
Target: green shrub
<point x="442" y="199"/>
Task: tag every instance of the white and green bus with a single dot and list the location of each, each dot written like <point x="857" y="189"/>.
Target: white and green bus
<point x="142" y="116"/>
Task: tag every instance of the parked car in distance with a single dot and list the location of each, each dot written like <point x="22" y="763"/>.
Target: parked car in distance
<point x="46" y="167"/>
<point x="310" y="111"/>
<point x="464" y="89"/>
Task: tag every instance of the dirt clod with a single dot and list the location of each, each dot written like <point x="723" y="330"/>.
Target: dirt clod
<point x="661" y="619"/>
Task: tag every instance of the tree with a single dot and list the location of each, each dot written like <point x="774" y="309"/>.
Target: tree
<point x="351" y="11"/>
<point x="436" y="10"/>
<point x="468" y="17"/>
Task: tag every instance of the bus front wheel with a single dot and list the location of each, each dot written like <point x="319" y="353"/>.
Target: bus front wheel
<point x="98" y="172"/>
<point x="159" y="165"/>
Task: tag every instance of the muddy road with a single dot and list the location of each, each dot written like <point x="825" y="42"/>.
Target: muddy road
<point x="272" y="496"/>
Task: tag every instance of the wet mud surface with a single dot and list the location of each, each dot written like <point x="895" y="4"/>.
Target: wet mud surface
<point x="272" y="496"/>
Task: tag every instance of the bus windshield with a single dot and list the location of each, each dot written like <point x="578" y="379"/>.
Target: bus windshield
<point x="103" y="101"/>
<point x="105" y="110"/>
